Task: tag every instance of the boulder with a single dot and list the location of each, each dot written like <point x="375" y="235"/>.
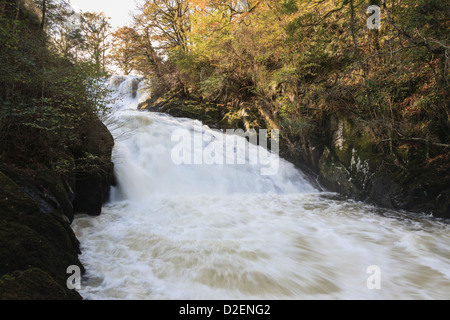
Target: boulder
<point x="399" y="177"/>
<point x="33" y="239"/>
<point x="92" y="186"/>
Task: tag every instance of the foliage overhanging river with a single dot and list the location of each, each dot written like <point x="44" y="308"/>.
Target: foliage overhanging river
<point x="228" y="232"/>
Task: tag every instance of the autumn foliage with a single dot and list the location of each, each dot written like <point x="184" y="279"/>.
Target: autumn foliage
<point x="300" y="61"/>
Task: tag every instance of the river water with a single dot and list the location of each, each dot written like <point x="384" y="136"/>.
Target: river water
<point x="205" y="231"/>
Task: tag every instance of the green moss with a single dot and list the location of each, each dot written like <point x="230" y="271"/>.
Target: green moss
<point x="13" y="199"/>
<point x="16" y="206"/>
<point x="33" y="284"/>
<point x="343" y="141"/>
<point x="352" y="139"/>
<point x="31" y="239"/>
<point x="334" y="176"/>
<point x="22" y="248"/>
<point x="394" y="174"/>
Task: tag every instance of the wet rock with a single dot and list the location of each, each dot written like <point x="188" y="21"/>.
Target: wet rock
<point x="352" y="165"/>
<point x="92" y="186"/>
<point x="335" y="176"/>
<point x="60" y="189"/>
<point x="32" y="239"/>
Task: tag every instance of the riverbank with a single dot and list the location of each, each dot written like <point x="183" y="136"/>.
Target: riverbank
<point x="37" y="209"/>
<point x="55" y="157"/>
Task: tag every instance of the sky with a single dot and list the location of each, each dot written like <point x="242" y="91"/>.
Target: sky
<point x="118" y="10"/>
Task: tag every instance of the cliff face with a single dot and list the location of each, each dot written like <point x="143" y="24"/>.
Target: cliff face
<point x="37" y="244"/>
<point x="49" y="170"/>
<point x="348" y="159"/>
<point x="401" y="176"/>
<point x="92" y="185"/>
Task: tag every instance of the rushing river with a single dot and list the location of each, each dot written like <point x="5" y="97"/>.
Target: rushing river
<point x="203" y="231"/>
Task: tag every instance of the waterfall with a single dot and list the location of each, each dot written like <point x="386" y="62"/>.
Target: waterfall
<point x="212" y="230"/>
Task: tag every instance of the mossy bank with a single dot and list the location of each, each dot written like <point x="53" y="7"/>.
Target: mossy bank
<point x="55" y="157"/>
<point x="37" y="243"/>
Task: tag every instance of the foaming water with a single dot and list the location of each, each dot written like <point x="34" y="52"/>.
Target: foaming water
<point x="227" y="232"/>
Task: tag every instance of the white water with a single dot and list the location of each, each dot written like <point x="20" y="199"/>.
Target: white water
<point x="226" y="232"/>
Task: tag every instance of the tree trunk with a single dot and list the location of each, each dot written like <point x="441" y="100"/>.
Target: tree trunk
<point x="153" y="54"/>
<point x="44" y="13"/>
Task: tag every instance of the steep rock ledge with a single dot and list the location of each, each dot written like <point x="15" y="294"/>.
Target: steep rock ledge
<point x="400" y="177"/>
<point x="92" y="185"/>
<point x="37" y="243"/>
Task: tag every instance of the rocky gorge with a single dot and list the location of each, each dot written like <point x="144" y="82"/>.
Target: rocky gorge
<point x="344" y="157"/>
<point x="56" y="156"/>
<point x="37" y="244"/>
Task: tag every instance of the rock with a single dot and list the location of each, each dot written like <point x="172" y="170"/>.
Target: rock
<point x="92" y="193"/>
<point x="33" y="284"/>
<point x="135" y="86"/>
<point x="386" y="193"/>
<point x="212" y="115"/>
<point x="60" y="189"/>
<point x="352" y="165"/>
<point x="33" y="239"/>
<point x="443" y="203"/>
<point x="92" y="187"/>
<point x="336" y="177"/>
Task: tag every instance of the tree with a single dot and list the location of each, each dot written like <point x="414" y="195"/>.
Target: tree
<point x="45" y="98"/>
<point x="124" y="50"/>
<point x="52" y="12"/>
<point x="97" y="30"/>
<point x="167" y="21"/>
<point x="44" y="14"/>
<point x="68" y="37"/>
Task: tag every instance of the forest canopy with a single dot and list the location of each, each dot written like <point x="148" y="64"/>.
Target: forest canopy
<point x="302" y="60"/>
<point x="296" y="62"/>
<point x="52" y="61"/>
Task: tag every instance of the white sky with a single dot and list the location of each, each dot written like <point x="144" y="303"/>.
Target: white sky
<point x="118" y="10"/>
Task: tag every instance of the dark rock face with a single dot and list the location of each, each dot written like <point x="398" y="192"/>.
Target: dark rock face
<point x="36" y="247"/>
<point x="32" y="284"/>
<point x="92" y="193"/>
<point x="92" y="187"/>
<point x="37" y="244"/>
<point x="352" y="165"/>
<point x="61" y="189"/>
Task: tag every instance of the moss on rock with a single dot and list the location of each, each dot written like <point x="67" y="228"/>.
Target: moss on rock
<point x="32" y="239"/>
<point x="400" y="176"/>
<point x="33" y="284"/>
<point x="96" y="170"/>
<point x="335" y="176"/>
